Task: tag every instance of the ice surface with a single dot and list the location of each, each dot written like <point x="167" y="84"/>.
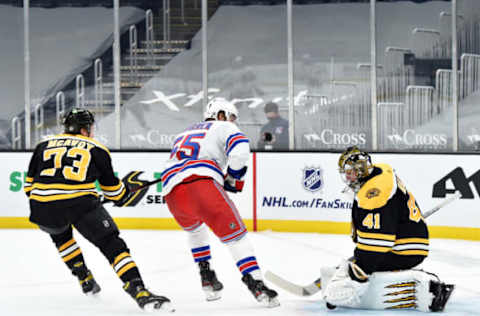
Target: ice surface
<point x="35" y="282"/>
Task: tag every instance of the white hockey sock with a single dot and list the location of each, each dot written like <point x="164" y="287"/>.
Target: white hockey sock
<point x="198" y="241"/>
<point x="244" y="256"/>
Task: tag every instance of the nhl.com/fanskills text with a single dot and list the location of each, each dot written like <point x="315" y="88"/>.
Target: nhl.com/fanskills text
<point x="283" y="202"/>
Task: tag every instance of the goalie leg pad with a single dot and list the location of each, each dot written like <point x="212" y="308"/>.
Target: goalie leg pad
<point x="409" y="289"/>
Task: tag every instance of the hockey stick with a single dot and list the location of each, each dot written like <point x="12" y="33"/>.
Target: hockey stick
<point x="439" y="206"/>
<point x="306" y="290"/>
<point x="315" y="286"/>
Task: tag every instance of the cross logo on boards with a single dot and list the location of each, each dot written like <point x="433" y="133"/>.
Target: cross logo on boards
<point x="312" y="179"/>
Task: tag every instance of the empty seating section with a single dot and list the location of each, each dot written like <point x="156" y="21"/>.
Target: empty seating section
<point x="161" y="57"/>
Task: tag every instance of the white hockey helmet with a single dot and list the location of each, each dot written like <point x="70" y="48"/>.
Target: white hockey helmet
<point x="217" y="105"/>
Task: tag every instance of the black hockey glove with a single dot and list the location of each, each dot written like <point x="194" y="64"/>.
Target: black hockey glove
<point x="124" y="201"/>
<point x="134" y="189"/>
<point x="234" y="180"/>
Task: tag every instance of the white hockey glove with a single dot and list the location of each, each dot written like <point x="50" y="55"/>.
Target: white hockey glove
<point x="347" y="286"/>
<point x="234" y="180"/>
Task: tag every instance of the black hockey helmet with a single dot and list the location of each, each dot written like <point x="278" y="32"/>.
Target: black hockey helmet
<point x="77" y="119"/>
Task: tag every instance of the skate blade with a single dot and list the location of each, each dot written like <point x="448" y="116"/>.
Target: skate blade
<point x="212" y="295"/>
<point x="267" y="301"/>
<point x="94" y="293"/>
<point x="156" y="307"/>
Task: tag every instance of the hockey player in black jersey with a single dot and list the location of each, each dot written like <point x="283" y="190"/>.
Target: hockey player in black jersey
<point x="391" y="239"/>
<point x="61" y="188"/>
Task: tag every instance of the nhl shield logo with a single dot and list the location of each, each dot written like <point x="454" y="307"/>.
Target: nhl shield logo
<point x="312" y="179"/>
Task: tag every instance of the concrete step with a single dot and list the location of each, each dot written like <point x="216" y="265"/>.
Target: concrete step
<point x="173" y="50"/>
<point x="158" y="27"/>
<point x="161" y="43"/>
<point x="149" y="68"/>
<point x="123" y="84"/>
<point x="173" y="42"/>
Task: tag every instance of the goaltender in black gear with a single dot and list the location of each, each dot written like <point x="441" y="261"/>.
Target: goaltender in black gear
<point x="387" y="224"/>
<point x="391" y="240"/>
<point x="61" y="188"/>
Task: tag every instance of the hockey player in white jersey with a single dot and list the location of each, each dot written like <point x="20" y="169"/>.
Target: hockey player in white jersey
<point x="208" y="159"/>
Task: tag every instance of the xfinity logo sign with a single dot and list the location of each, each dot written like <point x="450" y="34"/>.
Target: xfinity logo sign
<point x="457" y="180"/>
<point x="171" y="101"/>
<point x="411" y="138"/>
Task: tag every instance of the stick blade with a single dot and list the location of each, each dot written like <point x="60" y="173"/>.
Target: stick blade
<point x="293" y="288"/>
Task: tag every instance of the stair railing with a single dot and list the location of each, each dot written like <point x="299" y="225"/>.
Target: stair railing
<point x="80" y="91"/>
<point x="16" y="133"/>
<point x="39" y="121"/>
<point x="98" y="84"/>
<point x="60" y="108"/>
<point x="150" y="35"/>
<point x="166" y="24"/>
<point x="133" y="53"/>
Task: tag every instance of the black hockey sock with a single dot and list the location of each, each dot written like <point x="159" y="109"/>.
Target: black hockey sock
<point x="125" y="267"/>
<point x="72" y="256"/>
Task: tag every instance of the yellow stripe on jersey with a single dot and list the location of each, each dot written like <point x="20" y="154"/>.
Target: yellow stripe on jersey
<point x="402" y="241"/>
<point x="29" y="179"/>
<point x="388" y="237"/>
<point x="57" y="197"/>
<point x="61" y="186"/>
<point x="411" y="252"/>
<point x="27" y="189"/>
<point x="116" y="197"/>
<point x="111" y="187"/>
<point x="376" y="192"/>
<point x="373" y="248"/>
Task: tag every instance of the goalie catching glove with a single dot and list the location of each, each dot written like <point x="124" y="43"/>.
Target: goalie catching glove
<point x="134" y="189"/>
<point x="234" y="180"/>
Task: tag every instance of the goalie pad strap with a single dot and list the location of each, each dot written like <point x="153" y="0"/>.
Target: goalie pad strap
<point x="356" y="273"/>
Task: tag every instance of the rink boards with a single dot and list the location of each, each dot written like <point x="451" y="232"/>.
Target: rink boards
<point x="296" y="192"/>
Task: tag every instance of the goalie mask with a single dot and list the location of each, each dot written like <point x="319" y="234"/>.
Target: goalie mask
<point x="354" y="165"/>
<point x="77" y="119"/>
<point x="217" y="105"/>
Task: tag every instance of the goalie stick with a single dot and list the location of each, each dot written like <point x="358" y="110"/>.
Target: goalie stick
<point x="315" y="286"/>
<point x="439" y="206"/>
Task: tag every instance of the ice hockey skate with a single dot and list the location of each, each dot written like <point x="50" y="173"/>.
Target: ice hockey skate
<point x="441" y="292"/>
<point x="89" y="285"/>
<point x="146" y="299"/>
<point x="86" y="280"/>
<point x="210" y="284"/>
<point x="263" y="294"/>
